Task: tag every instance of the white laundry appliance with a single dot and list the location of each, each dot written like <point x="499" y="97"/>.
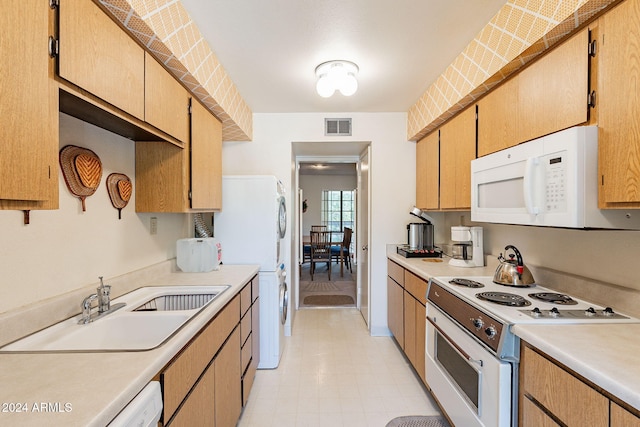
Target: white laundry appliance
<point x="251" y="228"/>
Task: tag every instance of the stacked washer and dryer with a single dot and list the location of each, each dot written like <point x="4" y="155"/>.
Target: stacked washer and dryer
<point x="251" y="228"/>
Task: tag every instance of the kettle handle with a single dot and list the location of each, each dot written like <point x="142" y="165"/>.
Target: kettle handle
<point x="520" y="265"/>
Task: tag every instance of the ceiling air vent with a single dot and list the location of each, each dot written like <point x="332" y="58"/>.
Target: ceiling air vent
<point x="337" y="127"/>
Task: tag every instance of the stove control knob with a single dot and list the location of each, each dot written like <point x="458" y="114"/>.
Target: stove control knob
<point x="554" y="312"/>
<point x="608" y="311"/>
<point x="491" y="332"/>
<point x="590" y="312"/>
<point x="478" y="323"/>
<point x="536" y="312"/>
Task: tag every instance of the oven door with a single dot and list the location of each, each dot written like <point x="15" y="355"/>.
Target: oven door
<point x="471" y="384"/>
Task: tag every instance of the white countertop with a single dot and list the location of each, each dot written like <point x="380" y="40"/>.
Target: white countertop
<point x="608" y="355"/>
<point x="89" y="389"/>
<point x="434" y="267"/>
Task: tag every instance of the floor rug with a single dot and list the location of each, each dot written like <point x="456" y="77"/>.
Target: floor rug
<point x="418" y="421"/>
<point x="328" y="300"/>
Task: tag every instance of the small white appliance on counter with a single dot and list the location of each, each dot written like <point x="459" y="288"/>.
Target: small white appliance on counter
<point x="468" y="248"/>
<point x="551" y="181"/>
<point x="251" y="228"/>
<point x="198" y="255"/>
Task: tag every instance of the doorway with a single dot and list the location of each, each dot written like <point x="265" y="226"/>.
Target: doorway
<point x="340" y="165"/>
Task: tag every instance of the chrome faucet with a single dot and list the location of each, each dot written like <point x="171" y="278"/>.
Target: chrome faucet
<point x="104" y="297"/>
<point x="86" y="309"/>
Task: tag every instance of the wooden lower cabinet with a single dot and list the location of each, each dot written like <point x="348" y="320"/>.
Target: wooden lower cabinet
<point x="550" y="396"/>
<point x="406" y="314"/>
<point x="209" y="381"/>
<point x="395" y="310"/>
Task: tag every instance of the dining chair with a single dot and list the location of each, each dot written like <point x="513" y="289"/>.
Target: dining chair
<point x="318" y="228"/>
<point x="320" y="250"/>
<point x="343" y="256"/>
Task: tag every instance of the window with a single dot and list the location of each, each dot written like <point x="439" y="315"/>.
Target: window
<point x="338" y="209"/>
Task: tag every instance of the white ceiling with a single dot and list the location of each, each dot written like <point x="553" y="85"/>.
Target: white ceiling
<point x="270" y="48"/>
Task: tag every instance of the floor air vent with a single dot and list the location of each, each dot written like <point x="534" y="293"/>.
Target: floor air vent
<point x="337" y="127"/>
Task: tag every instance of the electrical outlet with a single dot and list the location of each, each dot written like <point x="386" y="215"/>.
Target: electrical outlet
<point x="153" y="226"/>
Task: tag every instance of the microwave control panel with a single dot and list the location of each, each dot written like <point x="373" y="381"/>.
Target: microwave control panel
<point x="555" y="183"/>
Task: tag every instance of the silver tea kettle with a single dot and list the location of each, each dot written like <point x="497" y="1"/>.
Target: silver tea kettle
<point x="512" y="272"/>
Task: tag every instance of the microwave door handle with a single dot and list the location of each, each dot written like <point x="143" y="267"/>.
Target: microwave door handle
<point x="529" y="182"/>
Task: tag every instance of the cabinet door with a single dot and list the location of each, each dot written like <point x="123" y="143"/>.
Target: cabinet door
<point x="98" y="56"/>
<point x="622" y="418"/>
<point x="552" y="91"/>
<point x="206" y="159"/>
<point x="619" y="105"/>
<point x="457" y="149"/>
<point x="410" y="327"/>
<point x="197" y="410"/>
<point x="395" y="310"/>
<point x="532" y="416"/>
<point x="228" y="401"/>
<point x="28" y="105"/>
<point x="421" y="326"/>
<point x="166" y="102"/>
<point x="497" y="118"/>
<point x="428" y="171"/>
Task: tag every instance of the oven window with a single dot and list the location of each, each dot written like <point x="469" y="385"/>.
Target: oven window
<point x="458" y="368"/>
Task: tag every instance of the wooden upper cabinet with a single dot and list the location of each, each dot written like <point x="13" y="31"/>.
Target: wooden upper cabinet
<point x="618" y="99"/>
<point x="206" y="159"/>
<point x="28" y="108"/>
<point x="428" y="171"/>
<point x="497" y="118"/>
<point x="166" y="101"/>
<point x="174" y="179"/>
<point x="99" y="57"/>
<point x="552" y="92"/>
<point x="457" y="149"/>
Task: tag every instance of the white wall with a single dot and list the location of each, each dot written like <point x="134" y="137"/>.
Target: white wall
<point x="67" y="249"/>
<point x="392" y="177"/>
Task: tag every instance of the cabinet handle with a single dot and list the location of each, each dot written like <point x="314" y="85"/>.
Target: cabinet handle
<point x="591" y="100"/>
<point x="53" y="47"/>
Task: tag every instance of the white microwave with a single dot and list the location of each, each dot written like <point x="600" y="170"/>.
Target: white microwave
<point x="551" y="181"/>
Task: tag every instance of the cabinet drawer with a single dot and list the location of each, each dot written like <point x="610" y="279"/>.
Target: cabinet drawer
<point x="255" y="288"/>
<point x="416" y="286"/>
<point x="395" y="272"/>
<point x="572" y="401"/>
<point x="245" y="299"/>
<point x="245" y="327"/>
<point x="247" y="381"/>
<point x="245" y="354"/>
<point x="183" y="372"/>
<point x="622" y="417"/>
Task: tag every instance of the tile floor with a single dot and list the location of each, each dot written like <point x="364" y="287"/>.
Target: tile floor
<point x="332" y="373"/>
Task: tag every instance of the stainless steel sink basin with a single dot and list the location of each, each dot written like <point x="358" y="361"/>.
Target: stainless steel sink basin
<point x="151" y="316"/>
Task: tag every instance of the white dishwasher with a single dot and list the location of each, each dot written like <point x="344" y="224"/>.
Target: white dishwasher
<point x="144" y="410"/>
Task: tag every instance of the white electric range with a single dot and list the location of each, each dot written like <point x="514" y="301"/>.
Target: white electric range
<point x="472" y="354"/>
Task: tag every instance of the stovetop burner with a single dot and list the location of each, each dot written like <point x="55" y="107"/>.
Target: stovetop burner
<point x="466" y="282"/>
<point x="504" y="298"/>
<point x="553" y="297"/>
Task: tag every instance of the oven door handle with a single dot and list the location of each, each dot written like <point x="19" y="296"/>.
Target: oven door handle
<point x="454" y="345"/>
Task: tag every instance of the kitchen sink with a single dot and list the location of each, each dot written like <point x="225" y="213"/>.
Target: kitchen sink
<point x="150" y="317"/>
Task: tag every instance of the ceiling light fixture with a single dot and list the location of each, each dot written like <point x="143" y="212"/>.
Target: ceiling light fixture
<point x="336" y="75"/>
